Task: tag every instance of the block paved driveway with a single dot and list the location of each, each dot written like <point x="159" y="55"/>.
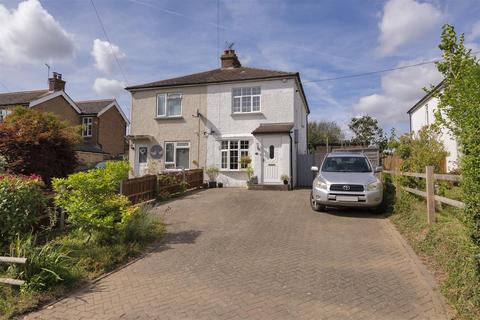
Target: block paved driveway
<point x="240" y="254"/>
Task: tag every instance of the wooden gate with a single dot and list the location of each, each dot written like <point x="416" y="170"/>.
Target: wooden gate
<point x="304" y="174"/>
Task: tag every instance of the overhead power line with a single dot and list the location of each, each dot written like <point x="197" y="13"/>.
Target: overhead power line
<point x="376" y="71"/>
<point x="112" y="51"/>
<point x="3" y="85"/>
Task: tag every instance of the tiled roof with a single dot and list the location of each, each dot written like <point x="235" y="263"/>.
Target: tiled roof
<point x="93" y="106"/>
<point x="21" y="97"/>
<point x="88" y="146"/>
<point x="273" y="128"/>
<point x="217" y="75"/>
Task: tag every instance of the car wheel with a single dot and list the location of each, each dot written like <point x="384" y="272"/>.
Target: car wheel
<point x="380" y="209"/>
<point x="314" y="204"/>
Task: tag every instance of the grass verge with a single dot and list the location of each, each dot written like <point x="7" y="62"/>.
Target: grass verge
<point x="70" y="261"/>
<point x="446" y="248"/>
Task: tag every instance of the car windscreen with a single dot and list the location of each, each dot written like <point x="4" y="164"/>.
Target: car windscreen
<point x="346" y="164"/>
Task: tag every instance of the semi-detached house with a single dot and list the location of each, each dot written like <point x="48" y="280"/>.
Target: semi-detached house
<point x="103" y="123"/>
<point x="214" y="118"/>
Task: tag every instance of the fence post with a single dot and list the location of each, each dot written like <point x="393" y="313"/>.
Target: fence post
<point x="430" y="195"/>
<point x="62" y="220"/>
<point x="397" y="182"/>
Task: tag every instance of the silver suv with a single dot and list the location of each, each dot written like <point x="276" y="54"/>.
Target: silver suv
<point x="346" y="180"/>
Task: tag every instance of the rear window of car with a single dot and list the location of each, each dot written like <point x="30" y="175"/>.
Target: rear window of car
<point x="346" y="164"/>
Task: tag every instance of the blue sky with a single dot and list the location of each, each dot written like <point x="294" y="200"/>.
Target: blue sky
<point x="155" y="40"/>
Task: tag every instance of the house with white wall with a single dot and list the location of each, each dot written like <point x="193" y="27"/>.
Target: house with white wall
<point x="423" y="114"/>
<point x="217" y="117"/>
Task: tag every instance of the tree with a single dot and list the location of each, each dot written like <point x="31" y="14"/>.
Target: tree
<point x="320" y="131"/>
<point x="39" y="143"/>
<point x="459" y="111"/>
<point x="367" y="132"/>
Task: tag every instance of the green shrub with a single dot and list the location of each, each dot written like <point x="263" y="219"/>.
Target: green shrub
<point x="459" y="111"/>
<point x="21" y="204"/>
<point x="46" y="265"/>
<point x="92" y="201"/>
<point x="142" y="227"/>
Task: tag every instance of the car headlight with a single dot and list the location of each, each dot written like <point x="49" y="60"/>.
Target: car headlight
<point x="321" y="184"/>
<point x="374" y="185"/>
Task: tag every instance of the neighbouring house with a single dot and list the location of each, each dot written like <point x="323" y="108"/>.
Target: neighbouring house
<point x="213" y="118"/>
<point x="423" y="114"/>
<point x="103" y="123"/>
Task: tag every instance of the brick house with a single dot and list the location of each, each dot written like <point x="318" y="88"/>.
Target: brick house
<point x="103" y="122"/>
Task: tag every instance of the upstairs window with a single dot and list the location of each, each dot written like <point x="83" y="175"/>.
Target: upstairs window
<point x="232" y="151"/>
<point x="169" y="105"/>
<point x="245" y="100"/>
<point x="87" y="127"/>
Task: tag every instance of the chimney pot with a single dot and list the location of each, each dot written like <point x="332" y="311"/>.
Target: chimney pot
<point x="55" y="83"/>
<point x="229" y="59"/>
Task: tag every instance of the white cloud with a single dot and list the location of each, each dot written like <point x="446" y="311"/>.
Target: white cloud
<point x="108" y="87"/>
<point x="104" y="59"/>
<point x="30" y="34"/>
<point x="404" y="21"/>
<point x="401" y="89"/>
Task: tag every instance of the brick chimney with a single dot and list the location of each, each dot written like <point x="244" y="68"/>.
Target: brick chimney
<point x="55" y="83"/>
<point x="229" y="59"/>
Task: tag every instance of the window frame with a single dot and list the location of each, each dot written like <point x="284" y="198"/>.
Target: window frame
<point x="166" y="97"/>
<point x="3" y="114"/>
<point x="87" y="128"/>
<point x="241" y="151"/>
<point x="251" y="97"/>
<point x="176" y="145"/>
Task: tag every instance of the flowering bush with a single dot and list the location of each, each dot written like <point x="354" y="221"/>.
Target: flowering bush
<point x="21" y="204"/>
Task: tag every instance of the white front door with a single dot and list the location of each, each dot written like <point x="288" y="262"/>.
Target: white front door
<point x="271" y="159"/>
<point x="141" y="159"/>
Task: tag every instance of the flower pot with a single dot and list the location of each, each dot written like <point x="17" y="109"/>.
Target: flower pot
<point x="285" y="182"/>
<point x="212" y="184"/>
<point x="220" y="184"/>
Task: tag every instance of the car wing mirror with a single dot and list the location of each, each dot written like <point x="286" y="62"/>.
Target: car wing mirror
<point x="378" y="169"/>
<point x="314" y="169"/>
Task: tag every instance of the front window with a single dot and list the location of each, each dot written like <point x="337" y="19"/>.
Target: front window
<point x="245" y="100"/>
<point x="87" y="127"/>
<point x="346" y="164"/>
<point x="3" y="114"/>
<point x="169" y="105"/>
<point x="232" y="151"/>
<point x="177" y="155"/>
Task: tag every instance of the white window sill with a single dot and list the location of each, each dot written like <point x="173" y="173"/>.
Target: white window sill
<point x="246" y="113"/>
<point x="233" y="170"/>
<point x="168" y="117"/>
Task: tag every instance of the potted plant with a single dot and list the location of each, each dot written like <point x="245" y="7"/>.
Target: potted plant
<point x="249" y="172"/>
<point x="212" y="173"/>
<point x="220" y="184"/>
<point x="285" y="179"/>
<point x="245" y="161"/>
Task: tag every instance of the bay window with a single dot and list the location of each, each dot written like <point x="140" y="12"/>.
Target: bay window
<point x="169" y="105"/>
<point x="245" y="100"/>
<point x="231" y="153"/>
<point x="177" y="155"/>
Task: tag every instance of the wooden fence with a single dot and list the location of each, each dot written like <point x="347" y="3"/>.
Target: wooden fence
<point x="429" y="194"/>
<point x="148" y="187"/>
<point x="139" y="189"/>
<point x="13" y="282"/>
